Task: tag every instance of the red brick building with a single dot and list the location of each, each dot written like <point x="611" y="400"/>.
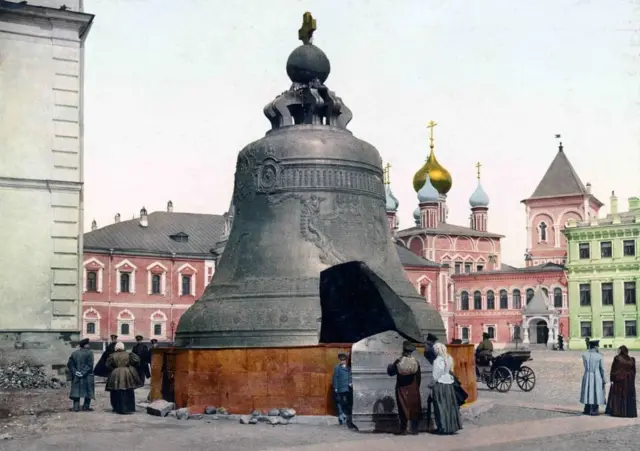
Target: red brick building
<point x="140" y="275"/>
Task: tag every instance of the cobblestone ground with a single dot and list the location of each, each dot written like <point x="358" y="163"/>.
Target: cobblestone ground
<point x="545" y="419"/>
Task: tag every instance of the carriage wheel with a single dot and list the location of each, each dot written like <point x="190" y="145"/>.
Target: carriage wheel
<point x="490" y="381"/>
<point x="526" y="378"/>
<point x="502" y="378"/>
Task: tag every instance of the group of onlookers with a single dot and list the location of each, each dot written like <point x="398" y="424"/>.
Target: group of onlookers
<point x="446" y="393"/>
<point x="622" y="380"/>
<point x="124" y="371"/>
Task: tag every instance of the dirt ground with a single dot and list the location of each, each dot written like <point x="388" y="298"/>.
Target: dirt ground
<point x="34" y="413"/>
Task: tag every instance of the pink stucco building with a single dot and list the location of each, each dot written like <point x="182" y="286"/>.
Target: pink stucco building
<point x="475" y="291"/>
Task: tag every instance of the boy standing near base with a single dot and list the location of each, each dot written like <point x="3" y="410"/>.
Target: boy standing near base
<point x="342" y="388"/>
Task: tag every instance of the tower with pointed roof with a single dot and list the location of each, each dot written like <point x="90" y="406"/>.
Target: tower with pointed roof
<point x="391" y="202"/>
<point x="479" y="202"/>
<point x="559" y="197"/>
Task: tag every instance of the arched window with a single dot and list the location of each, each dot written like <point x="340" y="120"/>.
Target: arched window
<point x="517" y="300"/>
<point x="557" y="297"/>
<point x="504" y="299"/>
<point x="491" y="300"/>
<point x="124" y="283"/>
<point x="92" y="281"/>
<point x="546" y="292"/>
<point x="477" y="300"/>
<point x="529" y="294"/>
<point x="423" y="291"/>
<point x="464" y="301"/>
<point x="155" y="284"/>
<point x="543" y="231"/>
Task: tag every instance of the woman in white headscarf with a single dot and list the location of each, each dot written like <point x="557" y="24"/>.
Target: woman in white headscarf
<point x="123" y="379"/>
<point x="445" y="401"/>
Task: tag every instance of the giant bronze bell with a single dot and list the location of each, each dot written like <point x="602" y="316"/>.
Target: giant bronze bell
<point x="308" y="196"/>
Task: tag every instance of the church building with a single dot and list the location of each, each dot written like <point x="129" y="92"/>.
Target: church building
<point x="525" y="304"/>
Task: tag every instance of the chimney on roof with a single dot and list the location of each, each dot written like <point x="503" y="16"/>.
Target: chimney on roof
<point x="144" y="222"/>
<point x="588" y="187"/>
<point x="170" y="207"/>
<point x="116" y="218"/>
<point x="613" y="207"/>
<point x="94" y="225"/>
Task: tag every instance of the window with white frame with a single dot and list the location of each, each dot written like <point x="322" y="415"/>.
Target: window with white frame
<point x="187" y="280"/>
<point x="465" y="334"/>
<point x="157" y="278"/>
<point x="126" y="323"/>
<point x="126" y="277"/>
<point x="91" y="323"/>
<point x="491" y="330"/>
<point x="93" y="270"/>
<point x="158" y="321"/>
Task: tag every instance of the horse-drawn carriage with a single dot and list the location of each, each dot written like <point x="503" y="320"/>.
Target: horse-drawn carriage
<point x="504" y="368"/>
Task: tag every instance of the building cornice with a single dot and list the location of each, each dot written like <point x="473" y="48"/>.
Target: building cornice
<point x="599" y="231"/>
<point x="62" y="18"/>
<point x="39" y="184"/>
<point x="147" y="253"/>
<point x="604" y="267"/>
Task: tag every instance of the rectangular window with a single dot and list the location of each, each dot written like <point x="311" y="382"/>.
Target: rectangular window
<point x="186" y="285"/>
<point x="630" y="329"/>
<point x="157" y="330"/>
<point x="458" y="267"/>
<point x="630" y="293"/>
<point x="91" y="329"/>
<point x="465" y="333"/>
<point x="516" y="332"/>
<point x="584" y="250"/>
<point x="585" y="294"/>
<point x="92" y="281"/>
<point x="607" y="329"/>
<point x="155" y="284"/>
<point x="124" y="283"/>
<point x="124" y="329"/>
<point x="479" y="268"/>
<point x="607" y="294"/>
<point x="491" y="330"/>
<point x="605" y="249"/>
<point x="467" y="268"/>
<point x="629" y="248"/>
<point x="585" y="328"/>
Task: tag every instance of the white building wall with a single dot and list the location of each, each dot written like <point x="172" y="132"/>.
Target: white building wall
<point x="41" y="70"/>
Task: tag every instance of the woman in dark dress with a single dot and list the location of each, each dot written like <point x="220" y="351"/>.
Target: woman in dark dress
<point x="622" y="394"/>
<point x="407" y="372"/>
<point x="445" y="399"/>
<point x="123" y="379"/>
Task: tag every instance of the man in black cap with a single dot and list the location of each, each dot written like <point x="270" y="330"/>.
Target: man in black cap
<point x="101" y="367"/>
<point x="341" y="389"/>
<point x="592" y="390"/>
<point x="140" y="349"/>
<point x="484" y="353"/>
<point x="407" y="372"/>
<point x="80" y="366"/>
<point x="429" y="352"/>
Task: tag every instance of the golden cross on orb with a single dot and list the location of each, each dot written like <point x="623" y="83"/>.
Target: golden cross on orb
<point x="387" y="178"/>
<point x="305" y="34"/>
<point x="430" y="126"/>
<point x="478" y="165"/>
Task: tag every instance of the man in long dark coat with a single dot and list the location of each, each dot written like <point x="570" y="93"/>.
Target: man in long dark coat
<point x="80" y="367"/>
<point x="101" y="367"/>
<point x="142" y="351"/>
<point x="407" y="372"/>
<point x="430" y="355"/>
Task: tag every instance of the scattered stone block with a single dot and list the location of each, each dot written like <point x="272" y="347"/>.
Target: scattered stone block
<point x="210" y="410"/>
<point x="274" y="420"/>
<point x="6" y="437"/>
<point x="245" y="419"/>
<point x="195" y="416"/>
<point x="160" y="408"/>
<point x="287" y="413"/>
<point x="209" y="418"/>
<point x="274" y="412"/>
<point x="253" y="420"/>
<point x="256" y="413"/>
<point x="222" y="411"/>
<point x="182" y="414"/>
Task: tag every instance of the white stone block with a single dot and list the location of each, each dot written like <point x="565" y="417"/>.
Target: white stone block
<point x="64" y="276"/>
<point x="64" y="292"/>
<point x="66" y="98"/>
<point x="66" y="82"/>
<point x="68" y="144"/>
<point x="66" y="245"/>
<point x="67" y="113"/>
<point x="64" y="261"/>
<point x="65" y="214"/>
<point x="69" y="129"/>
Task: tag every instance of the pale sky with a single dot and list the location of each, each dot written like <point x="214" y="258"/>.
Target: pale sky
<point x="175" y="89"/>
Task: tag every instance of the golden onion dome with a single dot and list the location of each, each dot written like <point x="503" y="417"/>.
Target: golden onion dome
<point x="440" y="177"/>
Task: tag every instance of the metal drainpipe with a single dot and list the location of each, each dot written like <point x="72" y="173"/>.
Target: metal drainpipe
<point x="109" y="295"/>
<point x="173" y="264"/>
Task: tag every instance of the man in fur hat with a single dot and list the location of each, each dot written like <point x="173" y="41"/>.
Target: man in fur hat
<point x="80" y="366"/>
<point x="407" y="372"/>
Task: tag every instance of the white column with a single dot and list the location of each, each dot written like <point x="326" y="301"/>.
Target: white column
<point x="525" y="330"/>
